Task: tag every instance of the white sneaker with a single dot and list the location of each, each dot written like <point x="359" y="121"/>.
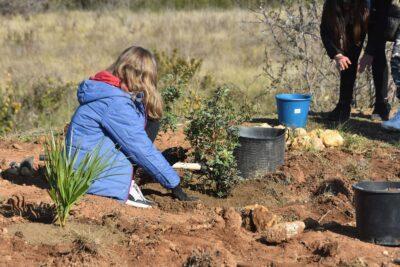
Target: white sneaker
<point x="394" y="123"/>
<point x="136" y="198"/>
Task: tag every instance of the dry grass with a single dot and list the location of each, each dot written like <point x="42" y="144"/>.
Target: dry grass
<point x="72" y="45"/>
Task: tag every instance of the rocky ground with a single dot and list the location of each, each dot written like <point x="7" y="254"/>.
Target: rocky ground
<point x="312" y="188"/>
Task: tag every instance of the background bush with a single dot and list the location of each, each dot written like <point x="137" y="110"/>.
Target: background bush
<point x="9" y="109"/>
<point x="175" y="75"/>
<point x="49" y="102"/>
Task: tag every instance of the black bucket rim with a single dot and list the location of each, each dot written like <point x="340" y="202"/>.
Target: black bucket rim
<point x="357" y="187"/>
<point x="245" y="128"/>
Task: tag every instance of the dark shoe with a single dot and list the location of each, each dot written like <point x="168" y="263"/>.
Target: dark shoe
<point x="340" y="114"/>
<point x="182" y="196"/>
<point x="381" y="112"/>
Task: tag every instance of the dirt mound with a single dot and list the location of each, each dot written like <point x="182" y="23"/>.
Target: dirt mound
<point x="310" y="187"/>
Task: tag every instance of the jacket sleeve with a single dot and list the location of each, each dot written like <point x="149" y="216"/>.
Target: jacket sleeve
<point x="377" y="23"/>
<point x="125" y="126"/>
<point x="327" y="37"/>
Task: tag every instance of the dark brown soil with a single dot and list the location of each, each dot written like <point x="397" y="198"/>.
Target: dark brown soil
<point x="312" y="187"/>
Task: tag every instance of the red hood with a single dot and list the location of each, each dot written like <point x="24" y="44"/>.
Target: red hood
<point x="107" y="77"/>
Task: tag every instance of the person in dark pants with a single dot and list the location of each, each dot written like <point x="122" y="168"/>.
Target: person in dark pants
<point x="344" y="27"/>
<point x="375" y="55"/>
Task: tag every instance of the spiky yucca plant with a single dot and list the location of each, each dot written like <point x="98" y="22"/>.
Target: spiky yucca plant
<point x="68" y="180"/>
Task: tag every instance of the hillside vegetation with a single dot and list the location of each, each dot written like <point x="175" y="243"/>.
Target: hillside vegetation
<point x="59" y="49"/>
<point x="48" y="46"/>
<point x="34" y="6"/>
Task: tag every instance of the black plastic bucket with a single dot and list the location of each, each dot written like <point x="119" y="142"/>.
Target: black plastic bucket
<point x="261" y="149"/>
<point x="378" y="212"/>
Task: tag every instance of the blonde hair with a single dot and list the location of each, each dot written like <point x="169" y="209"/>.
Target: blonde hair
<point x="136" y="67"/>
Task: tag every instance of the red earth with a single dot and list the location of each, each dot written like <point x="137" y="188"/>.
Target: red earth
<point x="312" y="187"/>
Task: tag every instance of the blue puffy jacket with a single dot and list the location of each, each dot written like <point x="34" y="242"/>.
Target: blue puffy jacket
<point x="109" y="118"/>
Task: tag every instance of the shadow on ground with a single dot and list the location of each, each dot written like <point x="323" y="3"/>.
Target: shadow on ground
<point x="346" y="230"/>
<point x="152" y="192"/>
<point x="333" y="226"/>
<point x="37" y="179"/>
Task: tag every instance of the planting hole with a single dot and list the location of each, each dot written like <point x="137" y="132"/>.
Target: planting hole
<point x="333" y="187"/>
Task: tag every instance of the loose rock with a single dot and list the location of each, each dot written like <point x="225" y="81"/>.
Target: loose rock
<point x="299" y="139"/>
<point x="283" y="232"/>
<point x="332" y="138"/>
<point x="299" y="132"/>
<point x="317" y="133"/>
<point x="301" y="142"/>
<point x="259" y="217"/>
<point x="317" y="144"/>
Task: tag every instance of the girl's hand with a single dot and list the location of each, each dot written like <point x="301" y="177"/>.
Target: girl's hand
<point x="365" y="62"/>
<point x="342" y="62"/>
<point x="178" y="193"/>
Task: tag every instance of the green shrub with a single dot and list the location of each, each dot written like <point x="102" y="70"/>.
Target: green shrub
<point x="212" y="133"/>
<point x="47" y="94"/>
<point x="175" y="74"/>
<point x="46" y="102"/>
<point x="49" y="102"/>
<point x="69" y="181"/>
<point x="9" y="108"/>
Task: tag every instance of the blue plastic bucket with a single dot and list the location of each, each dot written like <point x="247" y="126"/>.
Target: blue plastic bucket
<point x="293" y="109"/>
